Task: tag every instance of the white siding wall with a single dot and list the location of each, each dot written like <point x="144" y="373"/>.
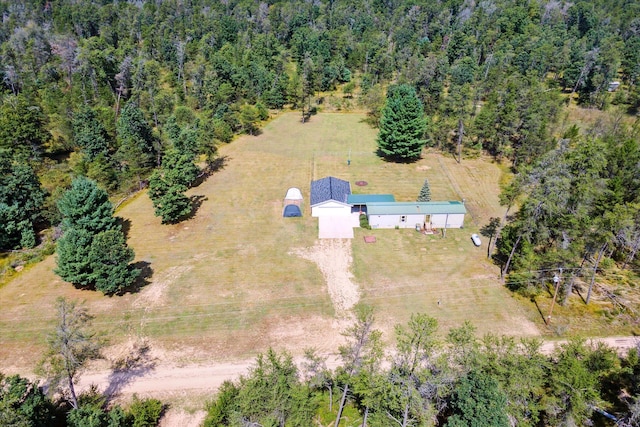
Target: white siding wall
<point x="437" y="221"/>
<point x="330" y="209"/>
<point x="453" y="220"/>
<point x="393" y="221"/>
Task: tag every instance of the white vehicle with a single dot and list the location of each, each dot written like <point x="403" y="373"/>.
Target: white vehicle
<point x="476" y="239"/>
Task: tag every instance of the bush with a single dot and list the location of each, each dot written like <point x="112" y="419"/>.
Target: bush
<point x="364" y="222"/>
<point x="145" y="412"/>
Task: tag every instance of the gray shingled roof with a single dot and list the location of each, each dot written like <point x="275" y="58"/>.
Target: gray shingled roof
<point x="329" y="188"/>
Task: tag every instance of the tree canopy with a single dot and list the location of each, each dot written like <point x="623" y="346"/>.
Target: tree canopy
<point x="402" y="125"/>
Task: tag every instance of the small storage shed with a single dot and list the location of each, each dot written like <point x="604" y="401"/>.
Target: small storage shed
<point x="408" y="214"/>
<point x="293" y="194"/>
<point x="291" y="211"/>
<point x="329" y="197"/>
<point x="359" y="201"/>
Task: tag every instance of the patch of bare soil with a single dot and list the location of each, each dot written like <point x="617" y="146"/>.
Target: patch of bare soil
<point x="154" y="294"/>
<point x="333" y="257"/>
<point x="179" y="418"/>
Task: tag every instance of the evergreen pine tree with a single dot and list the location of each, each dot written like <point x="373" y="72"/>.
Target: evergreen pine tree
<point x="167" y="186"/>
<point x="136" y="153"/>
<point x="21" y="200"/>
<point x="402" y="125"/>
<point x="85" y="206"/>
<point x="425" y="192"/>
<point x="168" y="198"/>
<point x="73" y="257"/>
<point x="109" y="259"/>
<point x="89" y="134"/>
<point x="92" y="251"/>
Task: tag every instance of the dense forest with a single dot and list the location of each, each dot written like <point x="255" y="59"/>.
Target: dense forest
<point x="101" y="99"/>
<point x="123" y="92"/>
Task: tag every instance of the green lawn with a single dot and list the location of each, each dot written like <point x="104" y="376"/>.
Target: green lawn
<point x="225" y="283"/>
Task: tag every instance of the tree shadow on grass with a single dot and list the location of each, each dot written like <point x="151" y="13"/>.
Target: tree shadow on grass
<point x="143" y="279"/>
<point x="196" y="201"/>
<point x="125" y="225"/>
<point x="137" y="363"/>
<point x="214" y="166"/>
<point x="392" y="159"/>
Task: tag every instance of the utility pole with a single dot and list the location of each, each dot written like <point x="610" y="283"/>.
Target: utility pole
<point x="556" y="280"/>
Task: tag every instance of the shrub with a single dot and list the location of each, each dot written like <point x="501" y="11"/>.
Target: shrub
<point x="145" y="412"/>
<point x="364" y="222"/>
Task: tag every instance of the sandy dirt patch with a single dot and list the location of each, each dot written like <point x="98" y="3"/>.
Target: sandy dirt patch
<point x="180" y="418"/>
<point x="154" y="294"/>
<point x="334" y="257"/>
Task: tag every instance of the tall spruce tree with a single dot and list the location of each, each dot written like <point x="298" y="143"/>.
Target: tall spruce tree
<point x="402" y="125"/>
<point x="136" y="152"/>
<point x="109" y="259"/>
<point x="168" y="184"/>
<point x="92" y="253"/>
<point x="89" y="134"/>
<point x="425" y="192"/>
<point x="85" y="206"/>
<point x="21" y="200"/>
<point x="168" y="198"/>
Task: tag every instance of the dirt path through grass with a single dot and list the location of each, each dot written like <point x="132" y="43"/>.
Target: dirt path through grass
<point x="171" y="382"/>
<point x="334" y="258"/>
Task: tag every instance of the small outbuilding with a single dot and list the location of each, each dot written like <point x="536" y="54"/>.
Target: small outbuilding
<point x="410" y="214"/>
<point x="329" y="197"/>
<point x="293" y="197"/>
<point x="291" y="211"/>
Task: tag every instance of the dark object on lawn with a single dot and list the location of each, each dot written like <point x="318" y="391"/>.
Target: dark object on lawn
<point x="361" y="183"/>
<point x="291" y="211"/>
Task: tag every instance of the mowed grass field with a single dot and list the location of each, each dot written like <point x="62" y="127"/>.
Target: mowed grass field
<point x="226" y="284"/>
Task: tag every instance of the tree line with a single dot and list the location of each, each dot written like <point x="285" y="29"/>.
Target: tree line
<point x="112" y="91"/>
<point x="430" y="377"/>
<point x="579" y="210"/>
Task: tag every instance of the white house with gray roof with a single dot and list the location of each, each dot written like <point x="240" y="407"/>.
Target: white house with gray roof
<point x="329" y="197"/>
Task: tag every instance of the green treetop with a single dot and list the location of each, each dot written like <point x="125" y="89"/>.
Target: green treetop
<point x="425" y="192"/>
<point x="402" y="125"/>
<point x="86" y="206"/>
<point x="21" y="200"/>
<point x="89" y="134"/>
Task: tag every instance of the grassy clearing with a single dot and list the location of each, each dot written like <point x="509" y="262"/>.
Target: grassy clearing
<point x="225" y="284"/>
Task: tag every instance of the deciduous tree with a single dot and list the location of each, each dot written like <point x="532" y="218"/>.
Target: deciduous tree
<point x="478" y="402"/>
<point x="70" y="347"/>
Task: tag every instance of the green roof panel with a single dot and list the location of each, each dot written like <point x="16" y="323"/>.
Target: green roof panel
<point x="415" y="208"/>
<point x="363" y="199"/>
